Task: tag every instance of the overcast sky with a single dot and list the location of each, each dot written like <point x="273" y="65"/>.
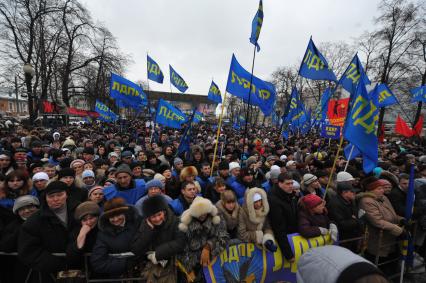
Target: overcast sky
<point x="198" y="37"/>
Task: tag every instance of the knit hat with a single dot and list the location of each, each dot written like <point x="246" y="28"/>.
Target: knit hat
<point x="343" y="187"/>
<point x="375" y="184"/>
<point x="257" y="197"/>
<point x="124" y="168"/>
<point x="162" y="168"/>
<point x="85" y="208"/>
<point x="111" y="154"/>
<point x="273" y="174"/>
<point x="153" y="205"/>
<point x="23" y="201"/>
<point x="290" y="163"/>
<point x="159" y="177"/>
<point x="115" y="206"/>
<point x="40" y="176"/>
<point x="251" y="160"/>
<point x="93" y="189"/>
<point x="283" y="157"/>
<point x="311" y="201"/>
<point x="154" y="183"/>
<point x="55" y="187"/>
<point x="309" y="179"/>
<point x="233" y="165"/>
<point x="270" y="158"/>
<point x="76" y="161"/>
<point x="199" y="206"/>
<point x="344" y="177"/>
<point x="126" y="153"/>
<point x="66" y="172"/>
<point x="87" y="173"/>
<point x="177" y="160"/>
<point x="36" y="143"/>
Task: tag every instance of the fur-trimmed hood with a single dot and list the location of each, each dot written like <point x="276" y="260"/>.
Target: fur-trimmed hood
<point x="249" y="208"/>
<point x="199" y="206"/>
<point x="188" y="171"/>
<point x="366" y="195"/>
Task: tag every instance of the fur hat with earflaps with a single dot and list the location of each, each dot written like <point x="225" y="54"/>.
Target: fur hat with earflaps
<point x="200" y="206"/>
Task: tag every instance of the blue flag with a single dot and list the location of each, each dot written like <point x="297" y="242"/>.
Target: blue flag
<point x="177" y="80"/>
<point x="297" y="115"/>
<point x="154" y="72"/>
<point x="169" y="116"/>
<point x="185" y="142"/>
<point x="352" y="75"/>
<point x="105" y="114"/>
<point x="419" y="94"/>
<point x="360" y="129"/>
<point x="262" y="93"/>
<point x="384" y="95"/>
<point x="123" y="89"/>
<point x="355" y="152"/>
<point x="314" y="66"/>
<point x="408" y="242"/>
<point x="330" y="132"/>
<point x="214" y="93"/>
<point x="198" y="117"/>
<point x="325" y="98"/>
<point x="256" y="25"/>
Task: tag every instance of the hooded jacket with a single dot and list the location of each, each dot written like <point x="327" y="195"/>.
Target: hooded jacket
<point x="231" y="219"/>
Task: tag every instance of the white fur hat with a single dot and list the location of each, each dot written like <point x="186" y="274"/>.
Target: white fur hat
<point x="200" y="206"/>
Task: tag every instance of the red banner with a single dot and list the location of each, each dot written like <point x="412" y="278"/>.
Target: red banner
<point x="336" y="112"/>
<point x="402" y="128"/>
<point x="82" y="113"/>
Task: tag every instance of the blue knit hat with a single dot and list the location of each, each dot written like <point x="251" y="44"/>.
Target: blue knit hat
<point x="154" y="183"/>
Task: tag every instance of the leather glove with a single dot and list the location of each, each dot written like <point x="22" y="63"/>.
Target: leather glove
<point x="270" y="246"/>
<point x="151" y="257"/>
<point x="333" y="232"/>
<point x="323" y="231"/>
<point x="259" y="237"/>
<point x="205" y="256"/>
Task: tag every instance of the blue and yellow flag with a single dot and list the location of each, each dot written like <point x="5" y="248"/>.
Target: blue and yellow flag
<point x="384" y="95"/>
<point x="361" y="126"/>
<point x="351" y="76"/>
<point x="419" y="94"/>
<point x="325" y="98"/>
<point x="154" y="72"/>
<point x="169" y="115"/>
<point x="314" y="66"/>
<point x="262" y="93"/>
<point x="297" y="115"/>
<point x="185" y="142"/>
<point x="214" y="93"/>
<point x="123" y="89"/>
<point x="198" y="117"/>
<point x="177" y="80"/>
<point x="256" y="25"/>
<point x="105" y="114"/>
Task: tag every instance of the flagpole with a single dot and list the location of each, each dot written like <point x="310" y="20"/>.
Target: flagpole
<point x="248" y="104"/>
<point x="334" y="166"/>
<point x="349" y="158"/>
<point x="218" y="133"/>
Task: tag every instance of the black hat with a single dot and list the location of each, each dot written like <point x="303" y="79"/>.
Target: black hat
<point x="35" y="165"/>
<point x="224" y="165"/>
<point x="162" y="168"/>
<point x="54" y="187"/>
<point x="66" y="172"/>
<point x="36" y="143"/>
<point x="153" y="204"/>
<point x="133" y="165"/>
<point x="321" y="173"/>
<point x="345" y="186"/>
<point x="89" y="150"/>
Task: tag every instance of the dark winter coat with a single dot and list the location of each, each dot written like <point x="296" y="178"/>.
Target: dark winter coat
<point x="43" y="234"/>
<point x="283" y="217"/>
<point x="166" y="241"/>
<point x="113" y="240"/>
<point x="309" y="223"/>
<point x="398" y="198"/>
<point x="74" y="254"/>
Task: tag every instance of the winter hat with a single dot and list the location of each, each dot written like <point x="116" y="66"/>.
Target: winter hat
<point x="77" y="161"/>
<point x="177" y="161"/>
<point x="66" y="172"/>
<point x="56" y="135"/>
<point x="283" y="157"/>
<point x="270" y="158"/>
<point x="153" y="205"/>
<point x="251" y="160"/>
<point x="133" y="165"/>
<point x="115" y="206"/>
<point x="36" y="143"/>
<point x="273" y="174"/>
<point x="162" y="168"/>
<point x="233" y="165"/>
<point x="188" y="171"/>
<point x="296" y="185"/>
<point x="40" y="176"/>
<point x="23" y="201"/>
<point x="343" y="187"/>
<point x="89" y="150"/>
<point x="224" y="165"/>
<point x="311" y="201"/>
<point x="373" y="183"/>
<point x="87" y="173"/>
<point x="321" y="173"/>
<point x="228" y="196"/>
<point x="85" y="208"/>
<point x="154" y="183"/>
<point x="199" y="206"/>
<point x="111" y="154"/>
<point x="123" y="168"/>
<point x="55" y="187"/>
<point x="93" y="189"/>
<point x="126" y="153"/>
<point x="257" y="197"/>
<point x="69" y="143"/>
<point x="290" y="163"/>
<point x="309" y="179"/>
<point x="344" y="177"/>
<point x="159" y="177"/>
<point x="35" y="165"/>
<point x="377" y="171"/>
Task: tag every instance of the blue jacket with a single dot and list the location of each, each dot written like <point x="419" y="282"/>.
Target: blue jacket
<point x="267" y="186"/>
<point x="239" y="189"/>
<point x="131" y="195"/>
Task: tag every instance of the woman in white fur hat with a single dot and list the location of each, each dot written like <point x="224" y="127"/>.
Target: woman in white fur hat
<point x="206" y="237"/>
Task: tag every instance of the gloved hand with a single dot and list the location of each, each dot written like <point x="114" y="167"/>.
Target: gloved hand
<point x="270" y="246"/>
<point x="259" y="237"/>
<point x="205" y="256"/>
<point x="151" y="257"/>
<point x="361" y="213"/>
<point x="333" y="232"/>
<point x="323" y="231"/>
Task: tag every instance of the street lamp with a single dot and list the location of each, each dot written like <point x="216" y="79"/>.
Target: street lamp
<point x="29" y="74"/>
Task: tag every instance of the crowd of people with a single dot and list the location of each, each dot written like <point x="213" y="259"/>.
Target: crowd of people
<point x="123" y="195"/>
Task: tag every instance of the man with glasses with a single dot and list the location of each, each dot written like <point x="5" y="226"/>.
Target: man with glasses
<point x="283" y="212"/>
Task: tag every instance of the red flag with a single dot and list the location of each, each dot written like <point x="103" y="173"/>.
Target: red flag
<point x="402" y="128"/>
<point x="336" y="111"/>
<point x="418" y="127"/>
<point x="48" y="107"/>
